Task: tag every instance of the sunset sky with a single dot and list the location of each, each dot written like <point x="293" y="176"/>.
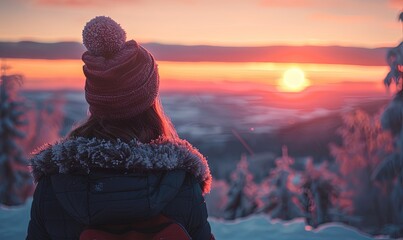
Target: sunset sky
<point x="246" y="23"/>
<point x="365" y="23"/>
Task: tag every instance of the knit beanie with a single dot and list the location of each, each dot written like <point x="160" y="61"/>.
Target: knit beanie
<point x="121" y="77"/>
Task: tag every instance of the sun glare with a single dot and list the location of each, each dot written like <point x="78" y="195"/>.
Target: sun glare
<point x="293" y="81"/>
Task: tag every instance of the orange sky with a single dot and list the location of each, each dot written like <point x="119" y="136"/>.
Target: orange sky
<point x="365" y="23"/>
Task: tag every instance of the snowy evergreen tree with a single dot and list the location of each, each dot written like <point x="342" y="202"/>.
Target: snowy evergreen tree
<point x="321" y="194"/>
<point x="280" y="195"/>
<point x="391" y="168"/>
<point x="15" y="180"/>
<point x="394" y="58"/>
<point x="392" y="117"/>
<point x="45" y="119"/>
<point x="364" y="145"/>
<point x="401" y="19"/>
<point x="242" y="192"/>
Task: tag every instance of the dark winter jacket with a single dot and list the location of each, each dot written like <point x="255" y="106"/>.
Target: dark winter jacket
<point x="85" y="182"/>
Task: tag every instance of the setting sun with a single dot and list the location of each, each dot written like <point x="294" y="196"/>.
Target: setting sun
<point x="293" y="81"/>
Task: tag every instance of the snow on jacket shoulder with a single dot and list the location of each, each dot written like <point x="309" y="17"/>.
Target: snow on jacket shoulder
<point x="93" y="182"/>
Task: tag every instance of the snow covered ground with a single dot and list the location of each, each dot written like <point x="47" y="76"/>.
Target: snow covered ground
<point x="13" y="224"/>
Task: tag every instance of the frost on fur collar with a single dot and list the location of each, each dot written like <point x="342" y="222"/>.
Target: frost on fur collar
<point x="82" y="155"/>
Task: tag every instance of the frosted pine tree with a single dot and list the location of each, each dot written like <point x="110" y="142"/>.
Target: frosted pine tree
<point x="391" y="168"/>
<point x="45" y="119"/>
<point x="15" y="180"/>
<point x="280" y="196"/>
<point x="364" y="146"/>
<point x="321" y="192"/>
<point x="242" y="194"/>
<point x="392" y="117"/>
<point x="394" y="58"/>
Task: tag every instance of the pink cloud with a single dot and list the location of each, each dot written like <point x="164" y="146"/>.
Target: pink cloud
<point x="307" y="3"/>
<point x="287" y="4"/>
<point x="81" y="3"/>
<point x="340" y="18"/>
<point x="84" y="3"/>
<point x="328" y="5"/>
<point x="396" y="4"/>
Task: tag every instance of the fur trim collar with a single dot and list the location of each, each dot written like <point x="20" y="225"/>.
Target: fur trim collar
<point x="81" y="155"/>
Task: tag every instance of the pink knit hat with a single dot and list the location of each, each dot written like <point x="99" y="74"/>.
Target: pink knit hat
<point x="122" y="77"/>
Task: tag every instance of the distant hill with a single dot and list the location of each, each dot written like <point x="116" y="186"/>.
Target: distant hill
<point x="199" y="53"/>
<point x="38" y="50"/>
<point x="312" y="137"/>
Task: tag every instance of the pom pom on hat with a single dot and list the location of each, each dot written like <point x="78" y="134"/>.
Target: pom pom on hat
<point x="102" y="36"/>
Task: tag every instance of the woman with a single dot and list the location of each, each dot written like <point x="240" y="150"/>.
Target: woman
<point x="125" y="164"/>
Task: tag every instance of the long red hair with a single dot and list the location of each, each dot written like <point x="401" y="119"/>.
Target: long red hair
<point x="144" y="127"/>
